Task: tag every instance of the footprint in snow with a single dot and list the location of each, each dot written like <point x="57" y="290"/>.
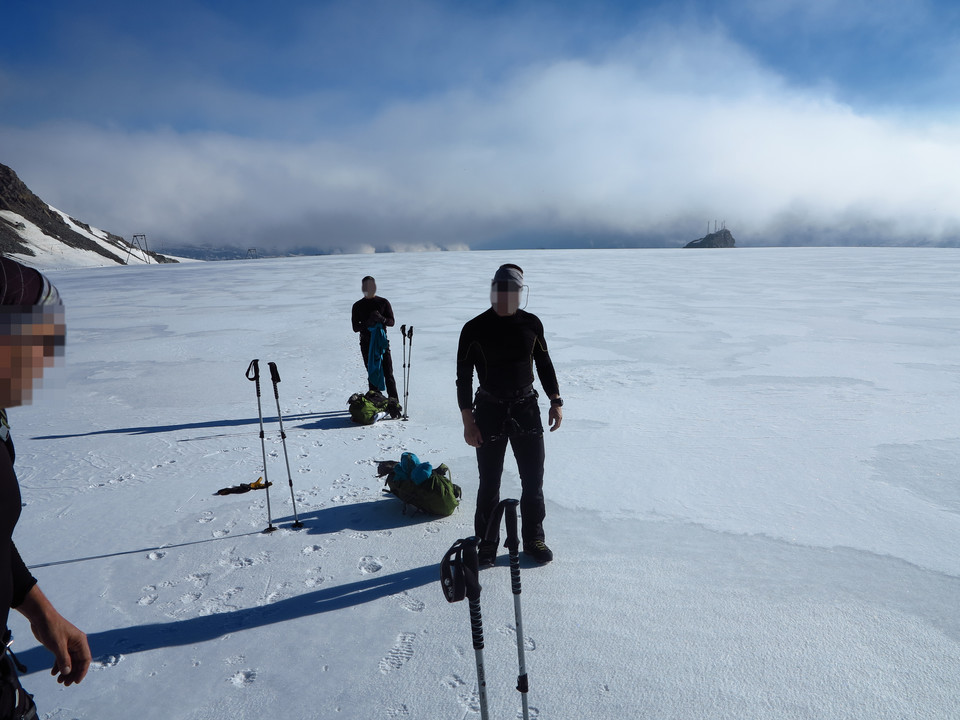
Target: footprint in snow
<point x="201" y="580"/>
<point x="243" y="678"/>
<point x="369" y="565"/>
<point x="105" y="661"/>
<point x="510" y="631"/>
<point x="453" y="682"/>
<point x="467" y="697"/>
<point x="399" y="654"/>
<point x="410" y="603"/>
<point x="157" y="555"/>
<point x="469" y="700"/>
<point x="315" y="579"/>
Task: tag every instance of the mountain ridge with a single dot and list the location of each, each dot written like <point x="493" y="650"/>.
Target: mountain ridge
<point x="37" y="234"/>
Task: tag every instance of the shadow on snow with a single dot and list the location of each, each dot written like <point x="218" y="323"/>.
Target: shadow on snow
<point x="371" y="516"/>
<point x="142" y="638"/>
<point x="320" y="421"/>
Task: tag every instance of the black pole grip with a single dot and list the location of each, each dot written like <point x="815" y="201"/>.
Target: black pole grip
<point x="253" y="373"/>
<point x="476" y="624"/>
<point x="275" y="377"/>
<point x="471" y="568"/>
<point x="515" y="573"/>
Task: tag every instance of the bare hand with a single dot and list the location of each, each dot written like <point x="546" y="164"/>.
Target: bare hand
<point x="555" y="417"/>
<point x="67" y="643"/>
<point x="471" y="433"/>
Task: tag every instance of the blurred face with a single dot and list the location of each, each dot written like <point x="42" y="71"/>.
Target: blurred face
<point x="505" y="298"/>
<point x="369" y="288"/>
<point x="31" y="339"/>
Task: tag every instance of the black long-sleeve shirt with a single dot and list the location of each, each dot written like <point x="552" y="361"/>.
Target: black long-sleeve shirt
<point x="503" y="350"/>
<point x="365" y="307"/>
<point x="15" y="578"/>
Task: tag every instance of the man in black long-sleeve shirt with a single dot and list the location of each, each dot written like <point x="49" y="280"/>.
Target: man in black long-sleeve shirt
<point x="31" y="334"/>
<point x="503" y="344"/>
<point x="367" y="313"/>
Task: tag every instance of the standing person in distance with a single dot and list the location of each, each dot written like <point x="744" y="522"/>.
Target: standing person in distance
<point x="502" y="345"/>
<point x="32" y="334"/>
<point x="368" y="312"/>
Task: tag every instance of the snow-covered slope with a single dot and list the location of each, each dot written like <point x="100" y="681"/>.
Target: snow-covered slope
<point x="43" y="237"/>
<point x="752" y="497"/>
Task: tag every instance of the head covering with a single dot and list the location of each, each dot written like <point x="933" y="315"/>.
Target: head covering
<point x="509" y="276"/>
<point x="24" y="286"/>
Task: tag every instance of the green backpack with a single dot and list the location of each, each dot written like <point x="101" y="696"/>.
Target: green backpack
<point x="426" y="488"/>
<point x="364" y="408"/>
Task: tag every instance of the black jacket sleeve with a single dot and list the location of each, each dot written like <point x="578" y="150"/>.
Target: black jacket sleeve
<point x="545" y="369"/>
<point x="465" y="364"/>
<point x="23" y="581"/>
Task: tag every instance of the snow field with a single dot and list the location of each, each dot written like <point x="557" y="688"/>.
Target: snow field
<point x="751" y="497"/>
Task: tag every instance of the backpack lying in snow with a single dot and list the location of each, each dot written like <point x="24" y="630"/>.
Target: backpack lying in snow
<point x="367" y="408"/>
<point x="420" y="485"/>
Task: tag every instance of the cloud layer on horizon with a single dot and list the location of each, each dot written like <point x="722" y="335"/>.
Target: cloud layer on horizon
<point x="667" y="128"/>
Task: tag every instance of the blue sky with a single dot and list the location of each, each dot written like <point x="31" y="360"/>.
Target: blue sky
<point x="361" y="125"/>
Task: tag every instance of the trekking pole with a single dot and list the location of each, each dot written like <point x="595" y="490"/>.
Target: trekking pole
<point x="459" y="575"/>
<point x="403" y="332"/>
<point x="253" y="373"/>
<point x="513" y="546"/>
<point x="275" y="377"/>
<point x="406" y="372"/>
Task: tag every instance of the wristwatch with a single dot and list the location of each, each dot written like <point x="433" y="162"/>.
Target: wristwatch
<point x="557" y="402"/>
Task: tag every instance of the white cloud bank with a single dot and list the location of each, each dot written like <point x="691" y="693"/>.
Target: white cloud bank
<point x="667" y="132"/>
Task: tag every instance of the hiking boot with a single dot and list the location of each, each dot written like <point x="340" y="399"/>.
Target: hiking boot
<point x="538" y="551"/>
<point x="487" y="554"/>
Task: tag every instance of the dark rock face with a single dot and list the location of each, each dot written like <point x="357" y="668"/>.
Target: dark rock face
<point x="16" y="197"/>
<point x="720" y="239"/>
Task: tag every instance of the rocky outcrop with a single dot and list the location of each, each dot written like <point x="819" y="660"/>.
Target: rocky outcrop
<point x="720" y="239"/>
<point x="17" y="198"/>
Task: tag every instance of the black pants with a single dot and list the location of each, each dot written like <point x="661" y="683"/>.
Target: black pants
<point x="387" y="365"/>
<point x="15" y="702"/>
<point x="517" y="422"/>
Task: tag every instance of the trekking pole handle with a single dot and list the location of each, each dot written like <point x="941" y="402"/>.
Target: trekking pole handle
<point x="471" y="567"/>
<point x="476" y="624"/>
<point x="253" y="373"/>
<point x="275" y="377"/>
<point x="513" y="542"/>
